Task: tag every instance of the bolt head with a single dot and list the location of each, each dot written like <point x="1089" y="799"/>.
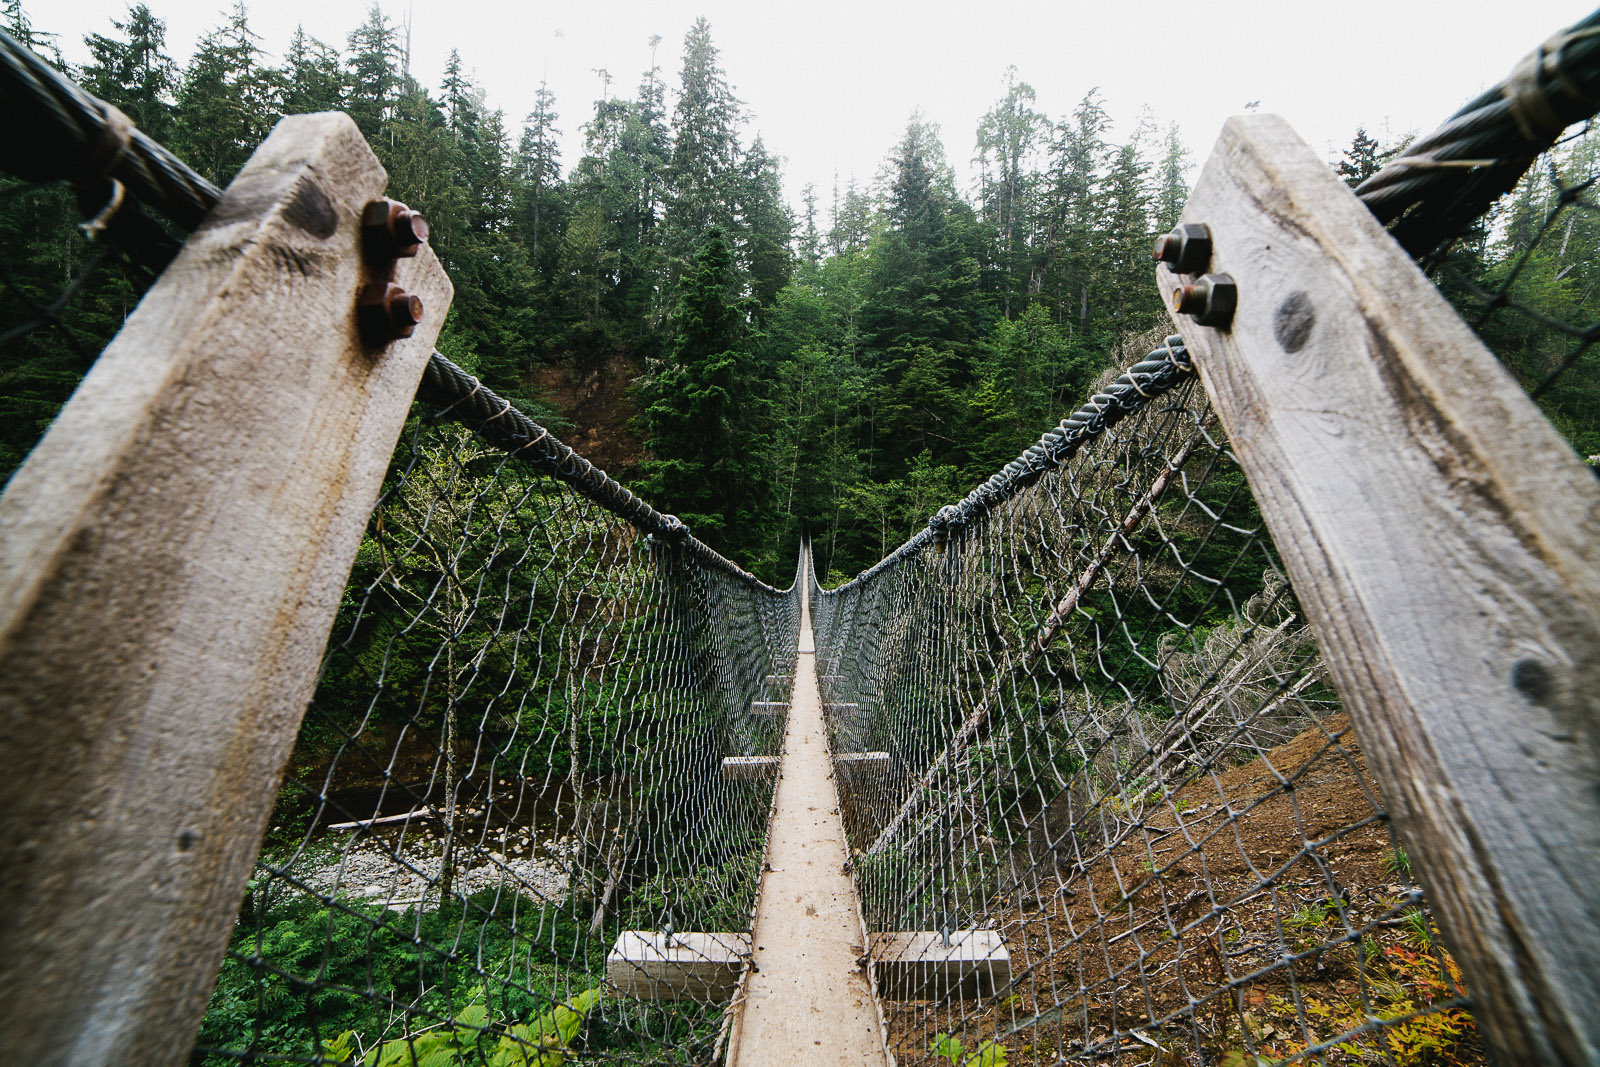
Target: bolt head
<point x="1186" y="249"/>
<point x="390" y="230"/>
<point x="1210" y="300"/>
<point x="385" y="312"/>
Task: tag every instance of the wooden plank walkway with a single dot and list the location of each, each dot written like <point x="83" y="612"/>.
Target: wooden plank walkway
<point x="807" y="1001"/>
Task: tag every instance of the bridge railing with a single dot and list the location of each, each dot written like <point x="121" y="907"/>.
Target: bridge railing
<point x="327" y="667"/>
<point x="1248" y="717"/>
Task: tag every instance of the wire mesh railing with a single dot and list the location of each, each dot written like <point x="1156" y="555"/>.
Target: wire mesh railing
<point x="1112" y="747"/>
<point x="1116" y="811"/>
<point x="514" y="756"/>
<point x="1081" y="716"/>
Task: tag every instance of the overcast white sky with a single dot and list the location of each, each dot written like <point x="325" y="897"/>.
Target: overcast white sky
<point x="830" y="83"/>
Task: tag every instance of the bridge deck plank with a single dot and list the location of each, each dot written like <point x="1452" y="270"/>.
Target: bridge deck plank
<point x="808" y="1000"/>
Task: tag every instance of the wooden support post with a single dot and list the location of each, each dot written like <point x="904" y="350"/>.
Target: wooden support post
<point x="747" y="768"/>
<point x="918" y="965"/>
<point x="1445" y="542"/>
<point x="862" y="766"/>
<point x="174" y="553"/>
<point x="691" y="966"/>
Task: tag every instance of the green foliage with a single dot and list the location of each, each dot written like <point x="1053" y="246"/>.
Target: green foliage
<point x="986" y="1054"/>
<point x="1398" y="864"/>
<point x="474" y="1039"/>
<point x="360" y="956"/>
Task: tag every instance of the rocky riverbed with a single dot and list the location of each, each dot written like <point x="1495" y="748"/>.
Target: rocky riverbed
<point x="384" y="867"/>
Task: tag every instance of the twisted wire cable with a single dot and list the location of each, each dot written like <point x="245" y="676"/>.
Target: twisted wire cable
<point x="463" y="397"/>
<point x="62" y="133"/>
<point x="1156" y="374"/>
<point x="1445" y="181"/>
<point x="59" y="132"/>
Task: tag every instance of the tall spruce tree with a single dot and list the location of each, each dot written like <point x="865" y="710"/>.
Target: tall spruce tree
<point x="1072" y="246"/>
<point x="1360" y="160"/>
<point x="375" y="78"/>
<point x="927" y="308"/>
<point x="134" y="72"/>
<point x="1008" y="139"/>
<point x="705" y="151"/>
<point x="1172" y="188"/>
<point x="229" y="100"/>
<point x="765" y="226"/>
<point x="705" y="411"/>
<point x="314" y="79"/>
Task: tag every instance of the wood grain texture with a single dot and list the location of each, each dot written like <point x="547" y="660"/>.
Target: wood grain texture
<point x="862" y="766"/>
<point x="1445" y="543"/>
<point x="748" y="768"/>
<point x="918" y="965"/>
<point x="694" y="965"/>
<point x="174" y="553"/>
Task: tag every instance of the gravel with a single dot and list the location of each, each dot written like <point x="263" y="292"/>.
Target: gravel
<point x="368" y="870"/>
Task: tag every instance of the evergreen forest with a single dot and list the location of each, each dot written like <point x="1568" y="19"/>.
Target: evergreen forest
<point x="840" y="364"/>
<point x="847" y="365"/>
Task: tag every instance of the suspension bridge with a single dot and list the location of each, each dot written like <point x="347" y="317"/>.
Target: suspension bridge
<point x="1246" y="717"/>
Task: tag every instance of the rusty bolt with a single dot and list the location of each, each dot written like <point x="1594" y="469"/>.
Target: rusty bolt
<point x="1210" y="299"/>
<point x="386" y="312"/>
<point x="1187" y="249"/>
<point x="390" y="230"/>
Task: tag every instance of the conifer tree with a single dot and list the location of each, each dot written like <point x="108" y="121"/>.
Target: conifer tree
<point x="1071" y="245"/>
<point x="16" y="22"/>
<point x="135" y="73"/>
<point x="705" y="426"/>
<point x="1172" y="190"/>
<point x="810" y="236"/>
<point x="1127" y="297"/>
<point x="228" y="102"/>
<point x="1008" y="137"/>
<point x="705" y="150"/>
<point x="375" y="79"/>
<point x="1360" y="160"/>
<point x="765" y="226"/>
<point x="927" y="308"/>
<point x="313" y="78"/>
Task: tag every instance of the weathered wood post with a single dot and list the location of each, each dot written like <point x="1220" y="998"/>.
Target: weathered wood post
<point x="173" y="554"/>
<point x="1445" y="542"/>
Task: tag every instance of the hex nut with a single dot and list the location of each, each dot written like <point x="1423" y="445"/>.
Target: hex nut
<point x="385" y="312"/>
<point x="1210" y="300"/>
<point x="390" y="230"/>
<point x="1186" y="249"/>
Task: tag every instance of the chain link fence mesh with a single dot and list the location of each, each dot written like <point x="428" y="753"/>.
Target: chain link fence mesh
<point x="514" y="756"/>
<point x="1106" y="740"/>
<point x="1526" y="278"/>
<point x="1085" y="720"/>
